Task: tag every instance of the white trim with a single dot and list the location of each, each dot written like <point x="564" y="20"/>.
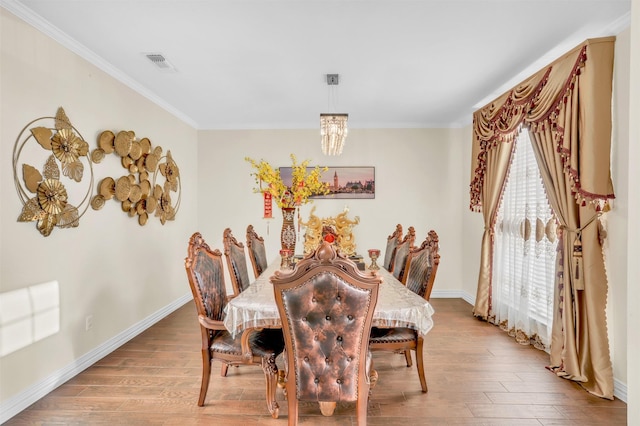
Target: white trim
<point x="566" y="45"/>
<point x="39" y="23"/>
<point x="453" y="294"/>
<point x="620" y="390"/>
<point x="19" y="402"/>
<point x="13" y="406"/>
<point x="468" y="298"/>
<point x="447" y="294"/>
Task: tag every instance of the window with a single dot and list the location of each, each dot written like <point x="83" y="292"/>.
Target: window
<point x="524" y="257"/>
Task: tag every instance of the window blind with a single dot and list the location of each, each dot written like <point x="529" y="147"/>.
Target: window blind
<point x="524" y="252"/>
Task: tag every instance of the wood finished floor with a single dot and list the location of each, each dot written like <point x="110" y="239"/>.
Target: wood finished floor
<point x="476" y="375"/>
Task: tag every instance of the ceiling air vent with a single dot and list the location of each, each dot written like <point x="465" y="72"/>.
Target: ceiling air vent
<point x="160" y="61"/>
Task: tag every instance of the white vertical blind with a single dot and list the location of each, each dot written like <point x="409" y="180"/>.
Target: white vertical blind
<point x="524" y="253"/>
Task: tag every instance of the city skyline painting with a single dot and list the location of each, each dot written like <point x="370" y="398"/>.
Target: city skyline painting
<point x="352" y="182"/>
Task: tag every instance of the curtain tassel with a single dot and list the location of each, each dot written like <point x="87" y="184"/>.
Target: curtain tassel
<point x="578" y="280"/>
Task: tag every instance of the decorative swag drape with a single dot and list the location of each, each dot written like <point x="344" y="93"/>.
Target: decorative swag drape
<point x="566" y="108"/>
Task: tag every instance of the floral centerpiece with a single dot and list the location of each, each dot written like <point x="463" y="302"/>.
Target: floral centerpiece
<point x="304" y="184"/>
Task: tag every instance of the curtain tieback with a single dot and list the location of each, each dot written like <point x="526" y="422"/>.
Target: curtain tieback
<point x="578" y="267"/>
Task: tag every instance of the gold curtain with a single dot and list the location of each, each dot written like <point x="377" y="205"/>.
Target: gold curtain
<point x="567" y="109"/>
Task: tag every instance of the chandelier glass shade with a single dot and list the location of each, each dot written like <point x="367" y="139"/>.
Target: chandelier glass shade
<point x="333" y="130"/>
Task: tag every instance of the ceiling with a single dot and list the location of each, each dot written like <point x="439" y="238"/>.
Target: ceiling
<point x="261" y="64"/>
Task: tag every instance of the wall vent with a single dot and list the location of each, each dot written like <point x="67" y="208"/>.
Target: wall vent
<point x="160" y="61"/>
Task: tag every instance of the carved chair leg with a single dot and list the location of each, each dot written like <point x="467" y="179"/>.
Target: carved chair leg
<point x="407" y="357"/>
<point x="270" y="369"/>
<point x="293" y="410"/>
<point x="282" y="383"/>
<point x="420" y="364"/>
<point x="223" y="369"/>
<point x="373" y="379"/>
<point x="206" y="374"/>
<point x="361" y="410"/>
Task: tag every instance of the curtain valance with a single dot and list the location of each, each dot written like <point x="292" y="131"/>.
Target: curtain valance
<point x="566" y="109"/>
<point x="538" y="103"/>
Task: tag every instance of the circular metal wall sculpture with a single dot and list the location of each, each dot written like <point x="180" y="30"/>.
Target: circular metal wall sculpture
<point x="48" y="194"/>
<point x="151" y="180"/>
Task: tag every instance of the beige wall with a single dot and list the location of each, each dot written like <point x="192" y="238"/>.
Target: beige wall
<point x="418" y="183"/>
<point x="617" y="218"/>
<point x="632" y="252"/>
<point x="122" y="273"/>
<point x="108" y="267"/>
<point x="472" y="227"/>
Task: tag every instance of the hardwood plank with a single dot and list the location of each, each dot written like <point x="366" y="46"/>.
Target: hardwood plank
<point x="476" y="375"/>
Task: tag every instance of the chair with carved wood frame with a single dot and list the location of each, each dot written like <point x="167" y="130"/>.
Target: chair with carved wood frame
<point x="422" y="266"/>
<point x="402" y="251"/>
<point x="420" y="273"/>
<point x="257" y="251"/>
<point x="326" y="307"/>
<point x="392" y="242"/>
<point x="205" y="272"/>
<point x="236" y="262"/>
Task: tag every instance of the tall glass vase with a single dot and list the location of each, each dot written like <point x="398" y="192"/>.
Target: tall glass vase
<point x="288" y="233"/>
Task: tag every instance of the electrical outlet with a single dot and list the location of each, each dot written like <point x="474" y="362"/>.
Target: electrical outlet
<point x="88" y="322"/>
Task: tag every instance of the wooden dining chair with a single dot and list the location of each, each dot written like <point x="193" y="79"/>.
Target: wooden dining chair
<point x="402" y="251"/>
<point x="206" y="280"/>
<point x="421" y="267"/>
<point x="326" y="307"/>
<point x="236" y="262"/>
<point x="392" y="242"/>
<point x="257" y="251"/>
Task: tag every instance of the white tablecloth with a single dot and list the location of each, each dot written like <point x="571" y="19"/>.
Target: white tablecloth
<point x="397" y="306"/>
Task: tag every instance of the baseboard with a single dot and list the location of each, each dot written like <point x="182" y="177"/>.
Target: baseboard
<point x="16" y="404"/>
<point x="619" y="388"/>
<point x="453" y="294"/>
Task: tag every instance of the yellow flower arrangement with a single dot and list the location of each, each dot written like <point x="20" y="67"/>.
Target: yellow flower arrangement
<point x="304" y="184"/>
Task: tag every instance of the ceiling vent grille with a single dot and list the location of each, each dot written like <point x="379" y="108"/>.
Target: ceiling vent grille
<point x="160" y="61"/>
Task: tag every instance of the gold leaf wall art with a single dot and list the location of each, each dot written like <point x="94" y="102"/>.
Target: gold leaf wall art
<point x="44" y="194"/>
<point x="32" y="177"/>
<point x="149" y="182"/>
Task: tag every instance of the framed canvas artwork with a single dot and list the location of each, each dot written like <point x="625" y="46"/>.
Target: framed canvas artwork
<point x="344" y="182"/>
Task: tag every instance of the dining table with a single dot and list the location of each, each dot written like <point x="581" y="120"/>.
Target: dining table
<point x="397" y="306"/>
<point x="255" y="307"/>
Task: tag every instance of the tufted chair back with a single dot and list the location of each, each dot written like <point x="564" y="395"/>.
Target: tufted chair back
<point x="419" y="275"/>
<point x="402" y="251"/>
<point x="261" y="347"/>
<point x="326" y="306"/>
<point x="257" y="251"/>
<point x="206" y="278"/>
<point x="392" y="242"/>
<point x="236" y="262"/>
<point x="422" y="265"/>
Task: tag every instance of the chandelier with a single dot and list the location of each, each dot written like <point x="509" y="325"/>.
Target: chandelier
<point x="333" y="127"/>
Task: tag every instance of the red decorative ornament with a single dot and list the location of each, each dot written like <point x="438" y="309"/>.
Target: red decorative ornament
<point x="268" y="207"/>
<point x="330" y="238"/>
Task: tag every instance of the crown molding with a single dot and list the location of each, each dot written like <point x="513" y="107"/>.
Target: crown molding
<point x="614" y="28"/>
<point x="39" y="23"/>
